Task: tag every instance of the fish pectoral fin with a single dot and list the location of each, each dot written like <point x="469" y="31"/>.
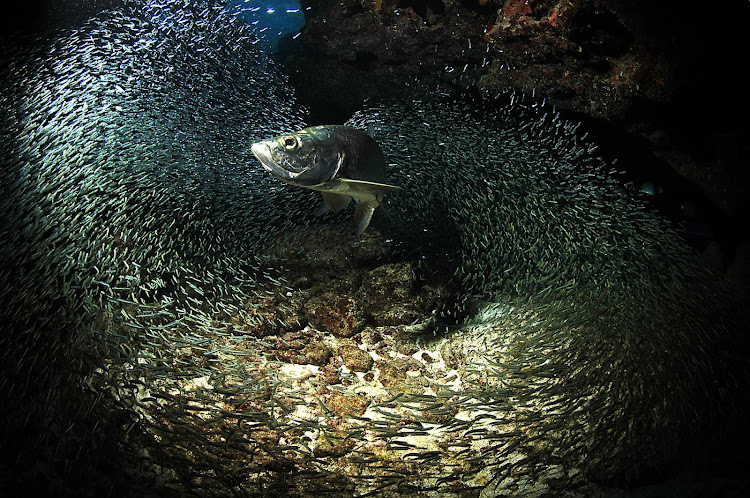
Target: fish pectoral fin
<point x="363" y="215"/>
<point x="332" y="202"/>
<point x="363" y="186"/>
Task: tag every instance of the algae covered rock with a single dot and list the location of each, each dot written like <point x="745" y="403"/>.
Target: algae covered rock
<point x="340" y="315"/>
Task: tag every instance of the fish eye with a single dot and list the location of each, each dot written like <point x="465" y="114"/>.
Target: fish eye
<point x="290" y="143"/>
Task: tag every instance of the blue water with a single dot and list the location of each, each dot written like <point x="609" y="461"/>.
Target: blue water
<point x="273" y="18"/>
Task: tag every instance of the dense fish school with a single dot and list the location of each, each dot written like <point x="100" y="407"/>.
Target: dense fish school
<point x="580" y="340"/>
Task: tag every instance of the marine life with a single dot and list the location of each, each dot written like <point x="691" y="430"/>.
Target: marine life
<point x="175" y="321"/>
<point x="340" y="162"/>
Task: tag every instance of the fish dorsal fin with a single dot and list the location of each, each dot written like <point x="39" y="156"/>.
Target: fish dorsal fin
<point x="333" y="202"/>
<point x="363" y="185"/>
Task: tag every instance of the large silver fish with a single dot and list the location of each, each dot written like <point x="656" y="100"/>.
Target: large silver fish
<point x="339" y="161"/>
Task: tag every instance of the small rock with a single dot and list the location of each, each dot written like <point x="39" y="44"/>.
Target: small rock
<point x="370" y="337"/>
<point x="388" y="296"/>
<point x="355" y="359"/>
<point x="304" y="347"/>
<point x="337" y="314"/>
<point x="329" y="376"/>
<point x="270" y="316"/>
<point x="317" y="354"/>
<point x="333" y="445"/>
<point x="394" y="373"/>
<point x="347" y="404"/>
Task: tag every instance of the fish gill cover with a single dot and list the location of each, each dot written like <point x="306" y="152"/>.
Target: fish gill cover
<point x="175" y="320"/>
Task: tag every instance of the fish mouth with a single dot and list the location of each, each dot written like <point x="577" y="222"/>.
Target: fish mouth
<point x="263" y="153"/>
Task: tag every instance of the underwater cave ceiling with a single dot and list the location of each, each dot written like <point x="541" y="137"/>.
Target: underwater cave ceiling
<point x="656" y="73"/>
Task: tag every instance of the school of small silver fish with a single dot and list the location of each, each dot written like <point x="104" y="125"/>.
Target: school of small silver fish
<point x="581" y="335"/>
